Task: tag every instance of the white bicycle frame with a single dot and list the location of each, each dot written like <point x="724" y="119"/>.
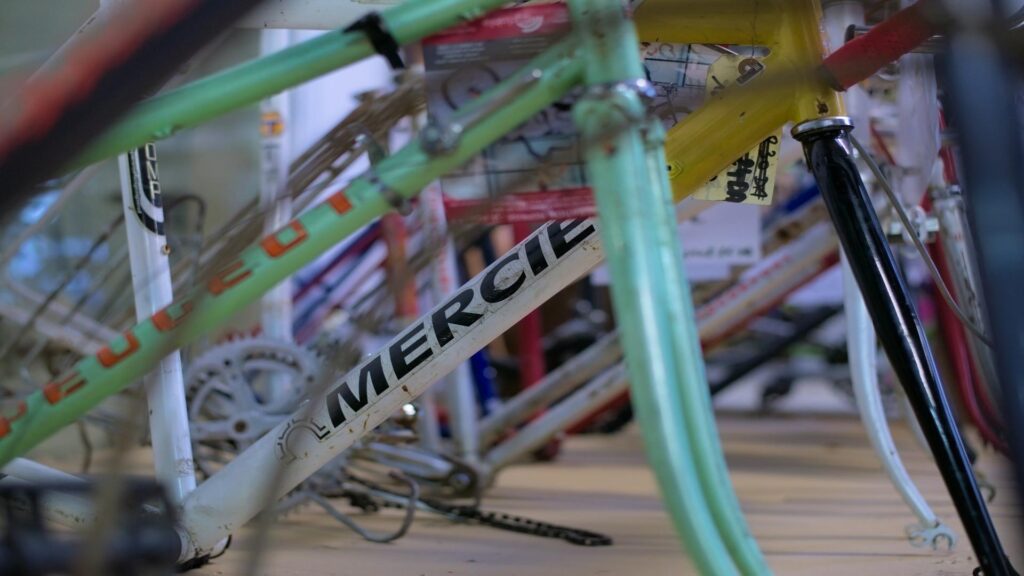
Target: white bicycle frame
<point x="862" y="346"/>
<point x="373" y="391"/>
<point x="547" y="261"/>
<point x="451" y="333"/>
<point x="149" y="259"/>
<point x="798" y="262"/>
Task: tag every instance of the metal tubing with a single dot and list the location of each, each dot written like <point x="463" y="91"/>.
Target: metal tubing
<point x="480" y="311"/>
<point x="794" y="265"/>
<point x="149" y="260"/>
<point x="275" y="128"/>
<point x="258" y="268"/>
<point x="275" y="155"/>
<point x="37" y="473"/>
<point x="625" y="158"/>
<point x="428" y="422"/>
<point x="959" y="251"/>
<point x="860" y="341"/>
<point x="557" y="383"/>
<point x="463" y="419"/>
<point x="595" y="394"/>
<point x="56" y="311"/>
<point x="68" y="191"/>
<point x="76" y="340"/>
<point x="65" y="509"/>
<point x="899" y="329"/>
<point x="862" y="346"/>
<point x="248" y="83"/>
<point x="988" y="122"/>
<point x="772" y="350"/>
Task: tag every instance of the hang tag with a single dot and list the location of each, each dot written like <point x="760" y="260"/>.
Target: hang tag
<point x="751" y="178"/>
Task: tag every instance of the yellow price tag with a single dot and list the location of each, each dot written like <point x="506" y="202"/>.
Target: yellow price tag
<point x="751" y="178"/>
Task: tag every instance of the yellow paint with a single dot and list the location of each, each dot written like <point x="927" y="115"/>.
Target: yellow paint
<point x="271" y="124"/>
<point x="737" y="119"/>
<point x="750" y="178"/>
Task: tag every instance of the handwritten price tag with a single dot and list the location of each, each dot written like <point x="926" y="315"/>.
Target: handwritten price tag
<point x="751" y="178"/>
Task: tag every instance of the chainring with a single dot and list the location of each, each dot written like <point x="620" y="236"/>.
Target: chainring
<point x="239" y="390"/>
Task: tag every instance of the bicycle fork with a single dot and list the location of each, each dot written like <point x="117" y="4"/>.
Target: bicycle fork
<point x="828" y="155"/>
<point x="623" y="148"/>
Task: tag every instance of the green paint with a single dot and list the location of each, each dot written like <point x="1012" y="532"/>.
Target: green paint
<point x="406" y="172"/>
<point x="248" y="83"/>
<point x="625" y="161"/>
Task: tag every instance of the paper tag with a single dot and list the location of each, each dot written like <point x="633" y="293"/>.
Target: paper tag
<point x="751" y="178"/>
<point x="722" y="234"/>
<point x="720" y="237"/>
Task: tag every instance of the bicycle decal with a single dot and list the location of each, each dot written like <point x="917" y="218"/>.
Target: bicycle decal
<point x="751" y="177"/>
<point x="144" y="176"/>
<point x="451" y="326"/>
<point x="464" y="309"/>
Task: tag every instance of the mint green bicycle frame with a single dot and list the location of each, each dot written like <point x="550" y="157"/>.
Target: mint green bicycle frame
<point x="623" y="148"/>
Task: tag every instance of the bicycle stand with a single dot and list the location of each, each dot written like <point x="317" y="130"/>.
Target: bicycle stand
<point x="828" y="153"/>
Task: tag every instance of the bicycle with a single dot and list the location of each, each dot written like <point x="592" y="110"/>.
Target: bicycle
<point x="624" y="151"/>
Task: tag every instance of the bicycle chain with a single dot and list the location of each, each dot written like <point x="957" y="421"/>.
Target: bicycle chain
<point x="498" y="520"/>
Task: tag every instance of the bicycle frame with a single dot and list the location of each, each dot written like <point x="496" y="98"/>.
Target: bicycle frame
<point x="625" y="161"/>
<point x="793" y="266"/>
<point x="405" y="173"/>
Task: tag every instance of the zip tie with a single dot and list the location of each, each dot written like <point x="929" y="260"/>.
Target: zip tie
<point x="380" y="38"/>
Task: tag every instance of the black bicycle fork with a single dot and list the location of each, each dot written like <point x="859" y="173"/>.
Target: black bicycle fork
<point x="828" y="154"/>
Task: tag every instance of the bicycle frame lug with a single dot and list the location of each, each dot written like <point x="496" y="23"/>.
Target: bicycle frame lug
<point x="375" y="150"/>
<point x="622" y="144"/>
<point x="640" y="86"/>
<point x="438" y="138"/>
<point x="611" y="108"/>
<point x="805" y="130"/>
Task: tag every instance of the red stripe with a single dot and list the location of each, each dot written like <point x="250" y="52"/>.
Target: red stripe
<point x="45" y="98"/>
<point x="959" y="357"/>
<point x="860" y="58"/>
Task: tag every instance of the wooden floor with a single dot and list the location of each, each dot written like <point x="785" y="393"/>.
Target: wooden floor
<point x="814" y="495"/>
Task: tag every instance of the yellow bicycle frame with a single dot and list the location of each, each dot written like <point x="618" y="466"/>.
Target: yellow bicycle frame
<point x="736" y="120"/>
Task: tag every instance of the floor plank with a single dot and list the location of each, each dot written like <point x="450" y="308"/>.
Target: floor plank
<point x="816" y="499"/>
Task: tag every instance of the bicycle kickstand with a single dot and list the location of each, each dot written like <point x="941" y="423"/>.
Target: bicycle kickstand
<point x="828" y="153"/>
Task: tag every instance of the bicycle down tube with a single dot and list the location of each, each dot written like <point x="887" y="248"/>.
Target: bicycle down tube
<point x="277" y="256"/>
<point x="631" y="157"/>
<point x="257" y="269"/>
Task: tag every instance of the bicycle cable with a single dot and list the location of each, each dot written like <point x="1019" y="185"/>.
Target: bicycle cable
<point x="933" y="271"/>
